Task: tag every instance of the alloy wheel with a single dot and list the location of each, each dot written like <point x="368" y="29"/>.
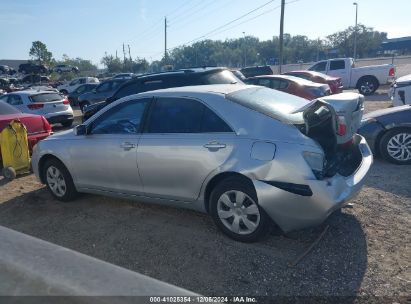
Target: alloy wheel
<point x="367" y="87"/>
<point x="399" y="147"/>
<point x="238" y="212"/>
<point x="56" y="182"/>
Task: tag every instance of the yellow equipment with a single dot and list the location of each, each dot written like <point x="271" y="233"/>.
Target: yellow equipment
<point x="14" y="150"/>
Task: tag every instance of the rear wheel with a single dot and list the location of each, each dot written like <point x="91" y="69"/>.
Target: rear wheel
<point x="64" y="92"/>
<point x="367" y="85"/>
<point x="83" y="105"/>
<point x="234" y="209"/>
<point x="59" y="181"/>
<point x="395" y="146"/>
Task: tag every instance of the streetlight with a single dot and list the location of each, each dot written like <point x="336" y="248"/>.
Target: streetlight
<point x="355" y="30"/>
<point x="245" y="51"/>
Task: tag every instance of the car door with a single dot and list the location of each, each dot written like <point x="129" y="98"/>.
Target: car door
<point x="183" y="142"/>
<point x="106" y="157"/>
<point x="338" y="69"/>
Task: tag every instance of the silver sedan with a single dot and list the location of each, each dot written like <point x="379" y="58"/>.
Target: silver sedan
<point x="246" y="155"/>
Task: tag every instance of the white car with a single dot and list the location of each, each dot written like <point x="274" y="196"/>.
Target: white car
<point x="52" y="105"/>
<point x="75" y="83"/>
<point x="400" y="92"/>
<point x="60" y="68"/>
<point x="366" y="79"/>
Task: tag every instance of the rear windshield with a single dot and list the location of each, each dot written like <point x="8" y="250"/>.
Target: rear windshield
<point x="6" y="109"/>
<point x="256" y="71"/>
<point x="223" y="77"/>
<point x="46" y="97"/>
<point x="272" y="103"/>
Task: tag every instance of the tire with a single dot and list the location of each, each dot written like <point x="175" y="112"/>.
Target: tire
<point x="395" y="146"/>
<point x="225" y="216"/>
<point x="67" y="124"/>
<point x="9" y="173"/>
<point x="367" y="85"/>
<point x="54" y="172"/>
<point x="83" y="104"/>
<point x="64" y="92"/>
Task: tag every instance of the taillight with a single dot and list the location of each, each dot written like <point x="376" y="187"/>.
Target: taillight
<point x="342" y="125"/>
<point x="66" y="101"/>
<point x="46" y="125"/>
<point x="391" y="72"/>
<point x="35" y="106"/>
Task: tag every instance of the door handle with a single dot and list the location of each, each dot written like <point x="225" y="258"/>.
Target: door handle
<point x="127" y="146"/>
<point x="214" y="145"/>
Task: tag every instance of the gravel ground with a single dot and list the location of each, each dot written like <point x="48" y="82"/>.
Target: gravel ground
<point x="365" y="252"/>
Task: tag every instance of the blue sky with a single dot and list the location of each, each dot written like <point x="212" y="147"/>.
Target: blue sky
<point x="89" y="28"/>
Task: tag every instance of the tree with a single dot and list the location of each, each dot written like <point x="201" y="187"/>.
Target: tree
<point x="39" y="52"/>
<point x="113" y="64"/>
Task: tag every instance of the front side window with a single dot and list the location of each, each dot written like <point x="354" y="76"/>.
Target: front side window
<point x="183" y="115"/>
<point x="265" y="83"/>
<point x="319" y="67"/>
<point x="337" y="65"/>
<point x="74" y="82"/>
<point x="80" y="89"/>
<point x="124" y="118"/>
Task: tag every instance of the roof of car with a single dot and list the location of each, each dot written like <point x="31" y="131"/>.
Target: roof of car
<point x="290" y="78"/>
<point x="314" y="73"/>
<point x="210" y="88"/>
<point x="187" y="71"/>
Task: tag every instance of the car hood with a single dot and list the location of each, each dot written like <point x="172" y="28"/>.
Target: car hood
<point x="383" y="112"/>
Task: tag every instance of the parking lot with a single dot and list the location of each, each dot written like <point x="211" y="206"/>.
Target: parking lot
<point x="365" y="251"/>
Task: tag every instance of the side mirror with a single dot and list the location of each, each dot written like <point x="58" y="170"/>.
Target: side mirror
<point x="80" y="130"/>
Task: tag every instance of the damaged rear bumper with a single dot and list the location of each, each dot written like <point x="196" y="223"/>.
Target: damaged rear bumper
<point x="293" y="211"/>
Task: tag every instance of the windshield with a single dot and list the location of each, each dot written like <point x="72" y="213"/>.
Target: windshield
<point x="46" y="97"/>
<point x="270" y="102"/>
<point x="6" y="109"/>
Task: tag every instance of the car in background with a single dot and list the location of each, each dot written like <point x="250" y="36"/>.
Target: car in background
<point x="388" y="133"/>
<point x="29" y="67"/>
<point x="73" y="96"/>
<point x="52" y="105"/>
<point x="61" y="68"/>
<point x="35" y="78"/>
<point x="124" y="76"/>
<point x="238" y="74"/>
<point x="37" y="126"/>
<point x="400" y="92"/>
<point x="227" y="150"/>
<point x="100" y="93"/>
<point x="155" y="81"/>
<point x="75" y="83"/>
<point x="256" y="71"/>
<point x="292" y="85"/>
<point x="365" y="79"/>
<point x="6" y="86"/>
<point x="6" y="70"/>
<point x="334" y="82"/>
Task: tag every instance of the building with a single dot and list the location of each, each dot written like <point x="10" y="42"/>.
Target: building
<point x="397" y="46"/>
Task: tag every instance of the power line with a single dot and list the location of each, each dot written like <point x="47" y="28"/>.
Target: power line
<point x="231" y="22"/>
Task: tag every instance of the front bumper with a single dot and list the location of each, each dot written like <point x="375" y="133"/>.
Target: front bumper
<point x="292" y="211"/>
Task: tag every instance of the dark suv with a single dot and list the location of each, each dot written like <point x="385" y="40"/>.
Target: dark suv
<point x="28" y="68"/>
<point x="256" y="71"/>
<point x="179" y="78"/>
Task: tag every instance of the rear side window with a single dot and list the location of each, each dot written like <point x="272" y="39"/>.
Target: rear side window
<point x="46" y="97"/>
<point x="14" y="100"/>
<point x="151" y="85"/>
<point x="337" y="65"/>
<point x="182" y="115"/>
<point x="223" y="77"/>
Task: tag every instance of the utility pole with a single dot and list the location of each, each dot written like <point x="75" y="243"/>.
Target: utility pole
<point x="281" y="34"/>
<point x="245" y="50"/>
<point x="355" y="30"/>
<point x="129" y="52"/>
<point x="165" y="39"/>
<point x="124" y="58"/>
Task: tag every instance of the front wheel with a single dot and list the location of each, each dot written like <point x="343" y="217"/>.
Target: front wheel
<point x="234" y="209"/>
<point x="59" y="181"/>
<point x="395" y="146"/>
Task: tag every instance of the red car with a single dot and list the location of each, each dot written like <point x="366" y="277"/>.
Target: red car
<point x="292" y="85"/>
<point x="335" y="83"/>
<point x="37" y="126"/>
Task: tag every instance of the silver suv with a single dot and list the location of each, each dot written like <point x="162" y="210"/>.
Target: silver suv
<point x="247" y="155"/>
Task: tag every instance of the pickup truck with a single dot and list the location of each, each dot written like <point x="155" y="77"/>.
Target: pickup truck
<point x="366" y="79"/>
